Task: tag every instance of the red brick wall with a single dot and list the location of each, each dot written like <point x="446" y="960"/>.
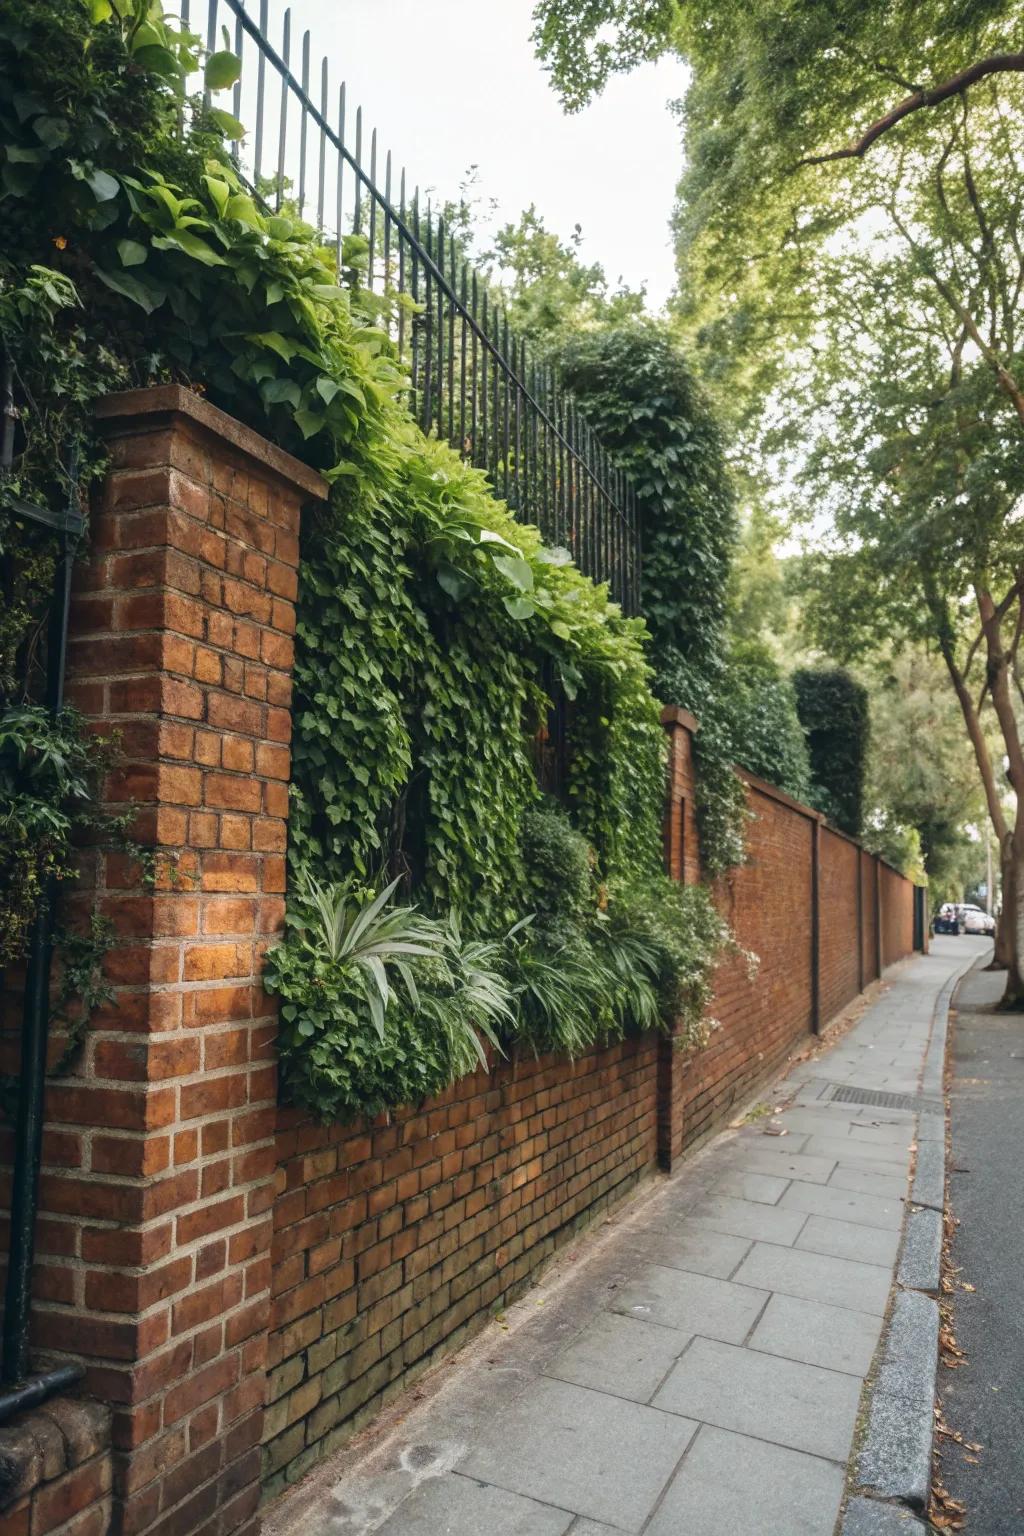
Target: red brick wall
<point x="214" y="1310"/>
<point x="897" y="899"/>
<point x="839" y="942"/>
<point x="154" y="1235"/>
<point x="395" y="1241"/>
<point x="763" y="1011"/>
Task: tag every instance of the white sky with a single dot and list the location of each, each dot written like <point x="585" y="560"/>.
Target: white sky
<point x="451" y="83"/>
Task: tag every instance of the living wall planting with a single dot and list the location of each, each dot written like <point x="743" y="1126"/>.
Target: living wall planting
<point x="438" y="905"/>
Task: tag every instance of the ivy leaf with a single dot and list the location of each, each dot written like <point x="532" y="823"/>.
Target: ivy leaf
<point x="561" y="629"/>
<point x="229" y="126"/>
<point x="191" y="244"/>
<point x="103" y="186"/>
<point x="455" y="582"/>
<point x="274" y="342"/>
<point x="327" y="388"/>
<point x="50" y="131"/>
<point x="309" y="422"/>
<point x="132" y="254"/>
<point x="519" y="607"/>
<point x="100" y="10"/>
<point x="516" y="570"/>
<point x="146" y="294"/>
<point x="219" y="193"/>
<point x="222" y="69"/>
<point x="281" y="392"/>
<point x="241" y="207"/>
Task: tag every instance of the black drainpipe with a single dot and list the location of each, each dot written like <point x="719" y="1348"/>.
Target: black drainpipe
<point x="20" y="1390"/>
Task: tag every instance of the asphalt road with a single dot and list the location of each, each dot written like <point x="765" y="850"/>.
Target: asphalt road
<point x="984" y="1397"/>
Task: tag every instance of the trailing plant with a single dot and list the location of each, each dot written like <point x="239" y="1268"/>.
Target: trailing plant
<point x="427" y="615"/>
<point x="380" y="1004"/>
<point x="49" y="784"/>
<point x="833" y="710"/>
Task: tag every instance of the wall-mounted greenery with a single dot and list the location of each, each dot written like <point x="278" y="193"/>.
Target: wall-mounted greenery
<point x="427" y="614"/>
<point x="833" y="709"/>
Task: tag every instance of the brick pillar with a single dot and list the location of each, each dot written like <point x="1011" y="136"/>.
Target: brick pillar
<point x="156" y="1248"/>
<point x="682" y="862"/>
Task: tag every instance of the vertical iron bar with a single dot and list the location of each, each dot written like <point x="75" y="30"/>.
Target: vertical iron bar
<point x="474" y="352"/>
<point x="372" y="199"/>
<point x="414" y="323"/>
<point x="401" y="266"/>
<point x="439" y="285"/>
<point x="428" y="337"/>
<point x="339" y="204"/>
<point x="451" y="340"/>
<point x="323" y="148"/>
<point x="506" y="415"/>
<point x="517" y="421"/>
<point x="211" y="40"/>
<point x="387" y="235"/>
<point x="357" y="222"/>
<point x="303" y="122"/>
<point x="484" y="359"/>
<point x="236" y="94"/>
<point x="282" y="131"/>
<point x="463" y="360"/>
<point x="495" y="385"/>
<point x="261" y="82"/>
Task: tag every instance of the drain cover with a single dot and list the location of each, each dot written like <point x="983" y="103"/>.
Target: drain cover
<point x="845" y="1094"/>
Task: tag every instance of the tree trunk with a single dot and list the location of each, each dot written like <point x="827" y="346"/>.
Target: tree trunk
<point x="1003" y="953"/>
<point x="1013" y="902"/>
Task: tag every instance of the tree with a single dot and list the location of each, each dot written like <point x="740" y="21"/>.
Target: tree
<point x="852" y="261"/>
<point x="913" y="787"/>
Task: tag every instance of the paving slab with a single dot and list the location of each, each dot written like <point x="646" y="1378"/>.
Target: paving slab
<point x="698" y="1249"/>
<point x="817" y="1277"/>
<point x="764" y="1188"/>
<point x="849" y="1240"/>
<point x="746" y="1218"/>
<point x="785" y="1165"/>
<point x="720" y="1309"/>
<point x="843" y="1149"/>
<point x="845" y="1205"/>
<point x="787" y="1402"/>
<point x="865" y="1180"/>
<point x="835" y="1337"/>
<point x="731" y="1484"/>
<point x="620" y="1355"/>
<point x="583" y="1451"/>
<point x="458" y="1506"/>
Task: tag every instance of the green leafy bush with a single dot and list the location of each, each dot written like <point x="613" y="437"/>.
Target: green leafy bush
<point x="427" y="615"/>
<point x="767" y="735"/>
<point x="833" y="709"/>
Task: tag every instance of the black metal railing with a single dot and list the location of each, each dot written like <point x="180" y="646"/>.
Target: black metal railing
<point x="472" y="380"/>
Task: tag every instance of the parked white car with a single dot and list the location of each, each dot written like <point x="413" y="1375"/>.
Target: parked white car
<point x="977" y="921"/>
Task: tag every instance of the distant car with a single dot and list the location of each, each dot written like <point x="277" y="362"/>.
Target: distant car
<point x="948" y="919"/>
<point x="977" y="921"/>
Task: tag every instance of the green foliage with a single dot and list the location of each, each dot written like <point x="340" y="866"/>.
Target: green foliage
<point x="50" y="771"/>
<point x="765" y="727"/>
<point x="679" y="926"/>
<point x="380" y="1005"/>
<point x="427" y="615"/>
<point x="636" y="390"/>
<point x="833" y="710"/>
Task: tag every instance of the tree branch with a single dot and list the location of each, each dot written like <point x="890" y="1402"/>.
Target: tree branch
<point x="999" y="63"/>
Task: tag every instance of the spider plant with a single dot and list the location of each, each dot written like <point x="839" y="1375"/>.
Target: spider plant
<point x="334" y="922"/>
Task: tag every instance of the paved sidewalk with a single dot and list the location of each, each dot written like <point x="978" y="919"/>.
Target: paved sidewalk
<point x="698" y="1370"/>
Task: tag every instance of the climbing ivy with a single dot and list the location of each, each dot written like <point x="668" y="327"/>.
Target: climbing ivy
<point x="427" y="616"/>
